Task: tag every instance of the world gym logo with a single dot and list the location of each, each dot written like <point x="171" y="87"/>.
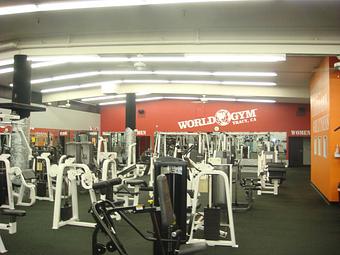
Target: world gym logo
<point x="222" y="118"/>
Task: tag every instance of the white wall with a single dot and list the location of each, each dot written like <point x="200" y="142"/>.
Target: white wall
<point x="5" y="111"/>
<point x="61" y="118"/>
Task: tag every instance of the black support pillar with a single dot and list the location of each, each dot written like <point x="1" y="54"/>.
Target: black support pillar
<point x="130" y="111"/>
<point x="22" y="84"/>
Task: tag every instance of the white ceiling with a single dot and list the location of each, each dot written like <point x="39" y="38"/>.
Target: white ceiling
<point x="305" y="30"/>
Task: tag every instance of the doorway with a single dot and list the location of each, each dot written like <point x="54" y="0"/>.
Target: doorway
<point x="143" y="144"/>
<point x="299" y="151"/>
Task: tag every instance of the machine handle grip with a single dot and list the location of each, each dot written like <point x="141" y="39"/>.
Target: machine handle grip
<point x="108" y="183"/>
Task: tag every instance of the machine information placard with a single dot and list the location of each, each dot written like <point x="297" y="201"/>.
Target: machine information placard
<point x="172" y="170"/>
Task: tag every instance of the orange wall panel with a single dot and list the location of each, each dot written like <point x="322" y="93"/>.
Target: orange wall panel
<point x="319" y="89"/>
<point x="335" y="136"/>
<point x="325" y="117"/>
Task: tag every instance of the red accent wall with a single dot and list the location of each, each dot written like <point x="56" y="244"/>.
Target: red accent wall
<point x="164" y="115"/>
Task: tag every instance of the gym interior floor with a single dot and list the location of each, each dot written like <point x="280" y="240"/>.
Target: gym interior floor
<point x="297" y="221"/>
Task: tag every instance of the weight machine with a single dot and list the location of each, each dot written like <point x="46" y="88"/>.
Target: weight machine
<point x="72" y="174"/>
<point x="271" y="174"/>
<point x="219" y="193"/>
<point x="163" y="219"/>
<point x="7" y="200"/>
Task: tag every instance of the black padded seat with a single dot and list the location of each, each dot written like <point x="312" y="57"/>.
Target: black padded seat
<point x="146" y="188"/>
<point x="276" y="165"/>
<point x="11" y="212"/>
<point x="277" y="174"/>
<point x="28" y="174"/>
<point x="277" y="171"/>
<point x="119" y="202"/>
<point x="135" y="182"/>
<point x="192" y="248"/>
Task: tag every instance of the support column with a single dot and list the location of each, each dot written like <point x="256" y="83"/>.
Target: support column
<point x="21" y="94"/>
<point x="130" y="111"/>
<point x="22" y="84"/>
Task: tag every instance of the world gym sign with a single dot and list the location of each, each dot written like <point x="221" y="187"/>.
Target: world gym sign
<point x="222" y="118"/>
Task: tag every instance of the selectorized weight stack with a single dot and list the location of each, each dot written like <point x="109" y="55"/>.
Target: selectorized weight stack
<point x="175" y="170"/>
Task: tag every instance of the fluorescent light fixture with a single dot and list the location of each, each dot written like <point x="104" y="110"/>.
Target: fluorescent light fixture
<point x="64" y="58"/>
<point x="73" y="5"/>
<point x="256" y="100"/>
<point x="74" y="87"/>
<point x="194" y="82"/>
<point x="132" y="72"/>
<point x="97" y="84"/>
<point x="6" y="62"/>
<point x="232" y="83"/>
<point x="183" y="98"/>
<point x="148" y="99"/>
<point x="6" y="70"/>
<point x="137" y="100"/>
<point x="65" y="77"/>
<point x="114" y="102"/>
<point x="196" y="73"/>
<point x="218" y="99"/>
<point x="207" y="58"/>
<point x="205" y="73"/>
<point x="245" y="74"/>
<point x="17" y="9"/>
<point x="145" y="81"/>
<point x="102" y="98"/>
<point x="236" y="57"/>
<point x="192" y="98"/>
<point x="45" y="64"/>
<point x="109" y="84"/>
<point x="248" y="83"/>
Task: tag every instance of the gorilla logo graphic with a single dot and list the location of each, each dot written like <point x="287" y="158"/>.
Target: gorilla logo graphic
<point x="222" y="117"/>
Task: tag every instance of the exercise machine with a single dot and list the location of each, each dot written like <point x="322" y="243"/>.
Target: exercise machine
<point x="271" y="174"/>
<point x="71" y="175"/>
<point x="163" y="220"/>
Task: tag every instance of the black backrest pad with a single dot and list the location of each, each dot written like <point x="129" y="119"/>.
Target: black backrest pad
<point x="167" y="212"/>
